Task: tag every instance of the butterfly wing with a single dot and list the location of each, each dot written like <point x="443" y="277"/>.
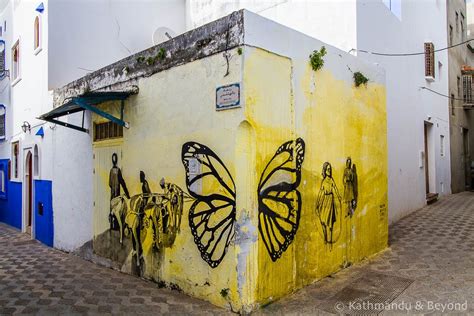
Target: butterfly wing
<point x="279" y="201"/>
<point x="212" y="215"/>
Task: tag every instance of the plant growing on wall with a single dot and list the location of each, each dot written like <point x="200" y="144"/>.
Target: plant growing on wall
<point x="359" y="78"/>
<point x="161" y="54"/>
<point x="316" y="58"/>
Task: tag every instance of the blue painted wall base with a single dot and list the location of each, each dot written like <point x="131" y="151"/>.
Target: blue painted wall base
<point x="10" y="202"/>
<point x="11" y="206"/>
<point x="43" y="206"/>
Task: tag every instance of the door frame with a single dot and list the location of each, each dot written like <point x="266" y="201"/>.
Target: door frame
<point x="430" y="157"/>
<point x="25" y="197"/>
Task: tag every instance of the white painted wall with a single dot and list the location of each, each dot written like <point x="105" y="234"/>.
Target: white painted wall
<point x="316" y="18"/>
<point x="75" y="34"/>
<point x="87" y="35"/>
<point x="5" y="98"/>
<point x="370" y="25"/>
<point x="379" y="30"/>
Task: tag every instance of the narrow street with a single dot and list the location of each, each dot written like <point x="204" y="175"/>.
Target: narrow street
<point x="35" y="279"/>
<point x="430" y="260"/>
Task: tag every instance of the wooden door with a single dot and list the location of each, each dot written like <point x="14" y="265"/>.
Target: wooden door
<point x="427" y="175"/>
<point x="29" y="191"/>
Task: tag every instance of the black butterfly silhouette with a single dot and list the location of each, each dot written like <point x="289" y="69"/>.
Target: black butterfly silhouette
<point x="279" y="201"/>
<point x="212" y="215"/>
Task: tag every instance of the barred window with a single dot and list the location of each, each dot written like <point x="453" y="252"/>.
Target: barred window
<point x="467" y="89"/>
<point x="107" y="130"/>
<point x="429" y="60"/>
<point x="16" y="61"/>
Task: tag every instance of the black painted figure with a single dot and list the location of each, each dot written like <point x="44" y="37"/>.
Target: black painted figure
<point x="116" y="182"/>
<point x="328" y="206"/>
<point x="173" y="210"/>
<point x="350" y="187"/>
<point x="145" y="189"/>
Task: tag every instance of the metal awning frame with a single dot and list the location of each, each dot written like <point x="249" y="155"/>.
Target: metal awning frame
<point x="84" y="103"/>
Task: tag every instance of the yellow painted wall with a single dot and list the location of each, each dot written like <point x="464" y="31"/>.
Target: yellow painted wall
<point x="174" y="107"/>
<point x="335" y="120"/>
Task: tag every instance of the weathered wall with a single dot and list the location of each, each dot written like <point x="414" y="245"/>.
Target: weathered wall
<point x="460" y="120"/>
<point x="173" y="107"/>
<point x="257" y="200"/>
<point x="257" y="144"/>
<point x="335" y="120"/>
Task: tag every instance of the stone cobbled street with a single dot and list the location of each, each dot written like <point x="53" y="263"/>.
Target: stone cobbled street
<point x="36" y="279"/>
<point x="430" y="260"/>
<point x="433" y="248"/>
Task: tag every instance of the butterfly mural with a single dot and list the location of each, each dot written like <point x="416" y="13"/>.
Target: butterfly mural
<point x="279" y="201"/>
<point x="212" y="214"/>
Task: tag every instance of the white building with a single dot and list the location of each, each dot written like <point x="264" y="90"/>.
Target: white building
<point x="418" y="119"/>
<point x="47" y="44"/>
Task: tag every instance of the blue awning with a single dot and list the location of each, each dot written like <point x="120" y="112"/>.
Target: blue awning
<point x="88" y="101"/>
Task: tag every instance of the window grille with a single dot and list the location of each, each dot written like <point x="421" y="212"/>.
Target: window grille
<point x="107" y="130"/>
<point x="467" y="89"/>
<point x="429" y="60"/>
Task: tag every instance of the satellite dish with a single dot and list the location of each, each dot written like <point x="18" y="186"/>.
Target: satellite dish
<point x="162" y="34"/>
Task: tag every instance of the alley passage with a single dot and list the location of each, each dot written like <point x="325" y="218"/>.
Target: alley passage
<point x="35" y="279"/>
<point x="430" y="260"/>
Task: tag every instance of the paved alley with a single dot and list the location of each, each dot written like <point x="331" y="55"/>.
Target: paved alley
<point x="430" y="260"/>
<point x="35" y="279"/>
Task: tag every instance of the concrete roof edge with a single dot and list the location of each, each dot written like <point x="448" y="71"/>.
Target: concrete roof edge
<point x="209" y="39"/>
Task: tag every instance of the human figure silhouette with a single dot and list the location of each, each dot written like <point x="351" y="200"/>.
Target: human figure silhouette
<point x="328" y="206"/>
<point x="116" y="182"/>
<point x="350" y="187"/>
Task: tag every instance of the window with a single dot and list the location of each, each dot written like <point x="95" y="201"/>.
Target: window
<point x="452" y="104"/>
<point x="15" y="152"/>
<point x="441" y="145"/>
<point x="457" y="22"/>
<point x="37" y="35"/>
<point x="467" y="89"/>
<point x="2" y="121"/>
<point x="107" y="130"/>
<point x="450" y="35"/>
<point x="462" y="26"/>
<point x="458" y="85"/>
<point x="395" y="6"/>
<point x="429" y="61"/>
<point x="3" y="178"/>
<point x="16" y="61"/>
<point x="2" y="59"/>
<point x="36" y="162"/>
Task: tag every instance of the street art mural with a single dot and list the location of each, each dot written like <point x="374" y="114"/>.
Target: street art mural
<point x="328" y="206"/>
<point x="350" y="187"/>
<point x="212" y="215"/>
<point x="135" y="216"/>
<point x="279" y="201"/>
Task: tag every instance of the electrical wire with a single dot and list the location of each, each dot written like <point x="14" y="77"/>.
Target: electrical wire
<point x="448" y="97"/>
<point x="409" y="54"/>
<point x="443" y="95"/>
